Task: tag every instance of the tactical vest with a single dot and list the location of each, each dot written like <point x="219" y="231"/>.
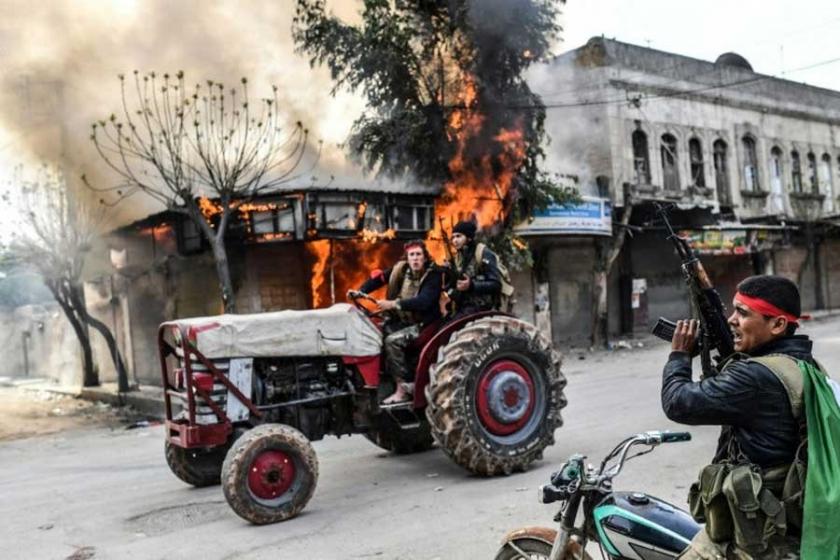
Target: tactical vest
<point x="504" y="300"/>
<point x="403" y="285"/>
<point x="742" y="503"/>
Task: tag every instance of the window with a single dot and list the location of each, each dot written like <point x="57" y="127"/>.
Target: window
<point x="273" y="220"/>
<point x="776" y="173"/>
<point x="750" y="164"/>
<point x="189" y="237"/>
<point x="812" y="173"/>
<point x="777" y="192"/>
<point x="412" y="218"/>
<point x="374" y="217"/>
<point x="795" y="172"/>
<point x="826" y="185"/>
<point x="641" y="159"/>
<point x="336" y="211"/>
<point x="695" y="155"/>
<point x="670" y="170"/>
<point x="721" y="171"/>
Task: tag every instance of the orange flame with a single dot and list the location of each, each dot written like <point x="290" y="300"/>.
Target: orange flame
<point x="321" y="251"/>
<point x="208" y="208"/>
<point x="480" y="187"/>
<point x="344" y="264"/>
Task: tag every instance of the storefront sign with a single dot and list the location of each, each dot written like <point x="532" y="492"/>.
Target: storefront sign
<point x="590" y="216"/>
<point x="730" y="241"/>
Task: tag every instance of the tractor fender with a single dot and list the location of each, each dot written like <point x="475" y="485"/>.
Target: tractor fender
<point x="430" y="351"/>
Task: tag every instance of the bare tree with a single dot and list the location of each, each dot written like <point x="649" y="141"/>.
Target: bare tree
<point x="178" y="146"/>
<point x="54" y="236"/>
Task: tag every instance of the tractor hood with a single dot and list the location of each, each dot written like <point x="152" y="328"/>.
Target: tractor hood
<point x="340" y="330"/>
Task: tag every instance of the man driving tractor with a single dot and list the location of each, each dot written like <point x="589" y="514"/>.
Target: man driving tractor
<point x="414" y="286"/>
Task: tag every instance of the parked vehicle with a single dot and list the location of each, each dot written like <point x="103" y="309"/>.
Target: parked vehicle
<point x="245" y="395"/>
<point x="626" y="525"/>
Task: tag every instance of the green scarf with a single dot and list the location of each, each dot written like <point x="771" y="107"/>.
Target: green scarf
<point x="821" y="523"/>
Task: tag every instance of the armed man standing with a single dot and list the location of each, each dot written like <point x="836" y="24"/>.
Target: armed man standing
<point x="414" y="286"/>
<point x="751" y="496"/>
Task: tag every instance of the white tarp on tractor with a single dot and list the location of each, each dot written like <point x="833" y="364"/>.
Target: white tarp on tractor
<point x="340" y="330"/>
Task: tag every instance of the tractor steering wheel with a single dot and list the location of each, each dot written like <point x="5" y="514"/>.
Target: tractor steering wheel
<point x="356" y="296"/>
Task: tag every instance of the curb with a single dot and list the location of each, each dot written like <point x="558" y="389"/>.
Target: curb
<point x="144" y="401"/>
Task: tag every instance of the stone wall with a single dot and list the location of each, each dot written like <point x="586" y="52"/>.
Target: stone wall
<point x="51" y="345"/>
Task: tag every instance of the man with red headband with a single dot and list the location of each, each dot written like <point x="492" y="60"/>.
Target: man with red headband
<point x="744" y="496"/>
<point x="411" y="300"/>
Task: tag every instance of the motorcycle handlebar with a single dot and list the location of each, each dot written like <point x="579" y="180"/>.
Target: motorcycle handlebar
<point x="670" y="437"/>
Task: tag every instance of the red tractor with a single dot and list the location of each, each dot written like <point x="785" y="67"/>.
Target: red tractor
<point x="245" y="395"/>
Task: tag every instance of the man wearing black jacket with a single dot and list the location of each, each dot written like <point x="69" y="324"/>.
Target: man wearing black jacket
<point x="414" y="286"/>
<point x="479" y="285"/>
<point x="751" y="398"/>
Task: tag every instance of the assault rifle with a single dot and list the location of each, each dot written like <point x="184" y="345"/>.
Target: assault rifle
<point x="714" y="334"/>
<point x="451" y="294"/>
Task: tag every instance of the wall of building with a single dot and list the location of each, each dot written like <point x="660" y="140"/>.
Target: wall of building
<point x="570" y="262"/>
<point x="51" y="344"/>
<point x="831" y="264"/>
<point x="659" y="266"/>
<point x="590" y="115"/>
<point x="275" y="278"/>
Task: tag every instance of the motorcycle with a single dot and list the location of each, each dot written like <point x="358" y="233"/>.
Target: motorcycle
<point x="626" y="525"/>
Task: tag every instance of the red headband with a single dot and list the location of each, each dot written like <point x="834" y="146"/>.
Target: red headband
<point x="765" y="307"/>
<point x="410" y="245"/>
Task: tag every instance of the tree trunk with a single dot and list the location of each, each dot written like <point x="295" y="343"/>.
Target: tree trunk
<point x="223" y="272"/>
<point x="217" y="245"/>
<point x="90" y="376"/>
<point x="605" y="256"/>
<point x="600" y="327"/>
<point x="110" y="340"/>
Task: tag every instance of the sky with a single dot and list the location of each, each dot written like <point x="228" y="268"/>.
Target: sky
<point x="86" y="43"/>
<point x="777" y="37"/>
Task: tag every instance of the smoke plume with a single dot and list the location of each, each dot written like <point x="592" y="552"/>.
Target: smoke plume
<point x="61" y="60"/>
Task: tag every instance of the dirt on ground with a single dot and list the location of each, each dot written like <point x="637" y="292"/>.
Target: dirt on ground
<point x="27" y="413"/>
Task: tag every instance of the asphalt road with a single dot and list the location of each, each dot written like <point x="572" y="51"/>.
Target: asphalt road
<point x="108" y="493"/>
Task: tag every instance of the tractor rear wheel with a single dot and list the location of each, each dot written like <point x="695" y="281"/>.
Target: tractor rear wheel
<point x="197" y="467"/>
<point x="269" y="474"/>
<point x="495" y="395"/>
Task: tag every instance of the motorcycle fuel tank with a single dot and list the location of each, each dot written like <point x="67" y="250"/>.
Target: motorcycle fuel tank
<point x="640" y="527"/>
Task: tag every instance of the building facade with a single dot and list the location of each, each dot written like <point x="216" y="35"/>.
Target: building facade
<point x="749" y="164"/>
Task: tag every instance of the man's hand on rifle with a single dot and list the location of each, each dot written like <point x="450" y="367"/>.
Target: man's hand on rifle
<point x="685" y="336"/>
<point x="463" y="284"/>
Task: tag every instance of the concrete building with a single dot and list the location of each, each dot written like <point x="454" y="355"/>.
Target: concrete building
<point x="751" y="164"/>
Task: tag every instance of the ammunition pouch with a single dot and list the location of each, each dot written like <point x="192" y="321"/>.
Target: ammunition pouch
<point x="793" y="490"/>
<point x="708" y="504"/>
<point x="737" y="504"/>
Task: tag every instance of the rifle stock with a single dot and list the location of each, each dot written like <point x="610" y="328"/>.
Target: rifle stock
<point x="445" y="296"/>
<point x="706" y="304"/>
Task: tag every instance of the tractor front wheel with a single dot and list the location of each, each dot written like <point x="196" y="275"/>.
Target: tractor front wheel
<point x="269" y="474"/>
<point x="495" y="395"/>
